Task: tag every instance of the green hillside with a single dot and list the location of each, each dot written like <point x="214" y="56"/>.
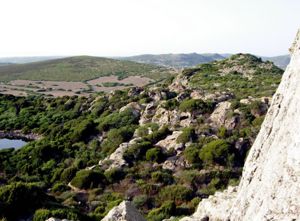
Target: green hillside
<point x="243" y="74"/>
<point x="81" y="68"/>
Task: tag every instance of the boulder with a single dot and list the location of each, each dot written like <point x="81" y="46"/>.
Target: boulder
<point x="218" y="117"/>
<point x="125" y="211"/>
<point x="170" y="142"/>
<point x="116" y="160"/>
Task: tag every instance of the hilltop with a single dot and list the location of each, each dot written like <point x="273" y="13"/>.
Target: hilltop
<point x="242" y="74"/>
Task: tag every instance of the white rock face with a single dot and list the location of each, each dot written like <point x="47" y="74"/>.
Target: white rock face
<point x="218" y="117"/>
<point x="270" y="184"/>
<point x="124" y="212"/>
<point x="170" y="142"/>
<point x="215" y="207"/>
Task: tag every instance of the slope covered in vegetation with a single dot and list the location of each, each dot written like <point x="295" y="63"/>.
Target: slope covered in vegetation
<point x="163" y="147"/>
<point x="81" y="68"/>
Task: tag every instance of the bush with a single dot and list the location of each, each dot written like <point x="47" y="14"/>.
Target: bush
<point x="19" y="198"/>
<point x="162" y="177"/>
<point x="216" y="151"/>
<point x="115" y="137"/>
<point x="154" y="154"/>
<point x="140" y="200"/>
<point x="192" y="105"/>
<point x="191" y="154"/>
<point x="136" y="152"/>
<point x="118" y="119"/>
<point x="158" y="135"/>
<point x="68" y="174"/>
<point x="41" y="215"/>
<point x="166" y="210"/>
<point x="187" y="135"/>
<point x="60" y="187"/>
<point x="114" y="175"/>
<point x="86" y="179"/>
<point x="176" y="192"/>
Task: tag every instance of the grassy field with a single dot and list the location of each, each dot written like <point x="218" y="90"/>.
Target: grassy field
<point x="81" y="68"/>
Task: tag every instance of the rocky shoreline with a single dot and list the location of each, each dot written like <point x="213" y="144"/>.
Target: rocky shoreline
<point x="17" y="134"/>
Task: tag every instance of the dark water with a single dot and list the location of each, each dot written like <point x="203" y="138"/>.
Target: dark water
<point x="8" y="143"/>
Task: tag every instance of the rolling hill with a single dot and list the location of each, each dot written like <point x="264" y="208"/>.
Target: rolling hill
<point x="175" y="60"/>
<point x="80" y="68"/>
<point x="193" y="59"/>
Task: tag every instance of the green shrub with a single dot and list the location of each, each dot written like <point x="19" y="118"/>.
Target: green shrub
<point x="87" y="179"/>
<point x="192" y="105"/>
<point x="162" y="177"/>
<point x="154" y="154"/>
<point x="41" y="215"/>
<point x="19" y="198"/>
<point x="166" y="210"/>
<point x="60" y="187"/>
<point x="140" y="200"/>
<point x="118" y="119"/>
<point x="191" y="154"/>
<point x="68" y="174"/>
<point x="115" y="137"/>
<point x="188" y="134"/>
<point x="216" y="151"/>
<point x="114" y="175"/>
<point x="176" y="192"/>
<point x="136" y="152"/>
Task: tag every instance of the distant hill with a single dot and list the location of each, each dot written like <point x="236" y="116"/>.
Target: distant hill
<point x="194" y="59"/>
<point x="280" y="61"/>
<point x="81" y="68"/>
<point x="24" y="60"/>
<point x="175" y="60"/>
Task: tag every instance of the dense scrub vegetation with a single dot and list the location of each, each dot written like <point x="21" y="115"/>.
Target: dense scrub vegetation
<point x="243" y="74"/>
<point x="59" y="175"/>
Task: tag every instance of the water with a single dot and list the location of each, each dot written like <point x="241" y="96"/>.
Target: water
<point x="8" y="143"/>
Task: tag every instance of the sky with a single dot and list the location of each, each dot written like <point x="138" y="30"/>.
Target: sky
<point x="131" y="27"/>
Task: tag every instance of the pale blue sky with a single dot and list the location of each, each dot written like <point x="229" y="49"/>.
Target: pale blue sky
<point x="129" y="27"/>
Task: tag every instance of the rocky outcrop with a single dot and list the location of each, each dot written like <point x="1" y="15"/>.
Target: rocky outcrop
<point x="218" y="117"/>
<point x="216" y="206"/>
<point x="170" y="142"/>
<point x="124" y="212"/>
<point x="116" y="160"/>
<point x="270" y="187"/>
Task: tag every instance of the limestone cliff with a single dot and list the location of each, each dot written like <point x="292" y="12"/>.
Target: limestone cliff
<point x="270" y="184"/>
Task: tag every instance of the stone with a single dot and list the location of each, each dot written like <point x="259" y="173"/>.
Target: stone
<point x="116" y="160"/>
<point x="218" y="117"/>
<point x="134" y="107"/>
<point x="125" y="211"/>
<point x="148" y="113"/>
<point x="170" y="142"/>
<point x="214" y="208"/>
